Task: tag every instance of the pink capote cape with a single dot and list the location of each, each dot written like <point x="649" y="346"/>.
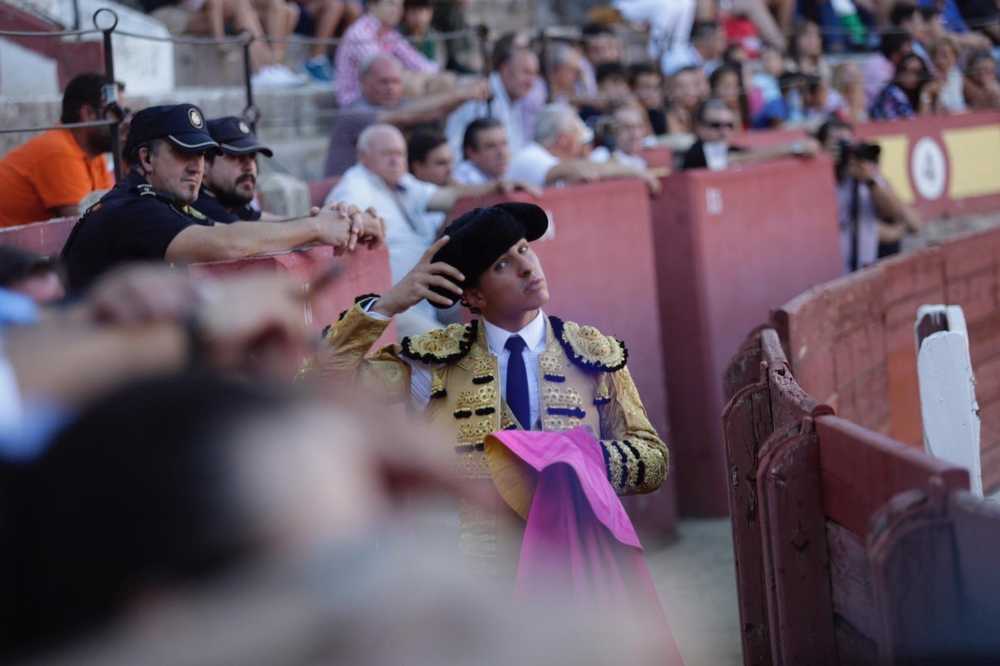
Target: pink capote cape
<point x="579" y="541"/>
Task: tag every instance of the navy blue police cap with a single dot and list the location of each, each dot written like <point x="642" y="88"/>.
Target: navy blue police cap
<point x="235" y="137"/>
<point x="481" y="236"/>
<point x="183" y="125"/>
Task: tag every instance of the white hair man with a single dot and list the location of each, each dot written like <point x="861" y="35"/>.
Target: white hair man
<point x="558" y="154"/>
<point x="380" y="180"/>
<point x="382" y="101"/>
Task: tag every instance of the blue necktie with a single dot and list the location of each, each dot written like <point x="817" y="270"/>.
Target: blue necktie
<point x="517" y="382"/>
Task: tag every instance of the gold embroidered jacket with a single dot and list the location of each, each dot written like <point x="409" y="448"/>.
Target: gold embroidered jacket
<point x="582" y="376"/>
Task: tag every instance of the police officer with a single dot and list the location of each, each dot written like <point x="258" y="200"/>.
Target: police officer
<point x="148" y="216"/>
<point x="230" y="178"/>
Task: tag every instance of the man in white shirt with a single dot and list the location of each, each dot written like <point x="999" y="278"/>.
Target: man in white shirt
<point x="557" y="154"/>
<point x="486" y="152"/>
<point x="380" y="180"/>
<point x="513" y="79"/>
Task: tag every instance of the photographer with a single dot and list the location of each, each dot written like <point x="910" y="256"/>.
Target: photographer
<point x="872" y="217"/>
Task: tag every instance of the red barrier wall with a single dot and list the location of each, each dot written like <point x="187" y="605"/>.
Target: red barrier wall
<point x="851" y="341"/>
<point x="45" y="238"/>
<point x="941" y="165"/>
<point x="600" y="266"/>
<point x="364" y="272"/>
<point x="730" y="246"/>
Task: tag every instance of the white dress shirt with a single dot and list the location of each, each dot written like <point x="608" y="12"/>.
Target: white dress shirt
<point x="534" y="345"/>
<point x="409" y="229"/>
<point x="468" y="173"/>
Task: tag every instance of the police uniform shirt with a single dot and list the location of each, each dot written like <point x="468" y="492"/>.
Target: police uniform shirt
<point x="132" y="222"/>
<point x="209" y="206"/>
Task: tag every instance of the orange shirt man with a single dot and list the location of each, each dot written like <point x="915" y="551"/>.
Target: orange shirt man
<point x="49" y="175"/>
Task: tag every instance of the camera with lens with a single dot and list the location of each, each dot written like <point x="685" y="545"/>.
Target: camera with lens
<point x="865" y="152"/>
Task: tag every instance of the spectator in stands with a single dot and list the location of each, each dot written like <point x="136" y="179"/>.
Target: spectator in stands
<point x="804" y="100"/>
<point x="416" y="27"/>
<point x="869" y="211"/>
<point x="772" y="66"/>
<point x="380" y="179"/>
<point x="913" y="92"/>
<point x="563" y="63"/>
<point x="230" y="180"/>
<point x="982" y="91"/>
<point x="627" y="130"/>
<point x="49" y="175"/>
<point x="725" y="83"/>
<point x="600" y="44"/>
<point x="39" y="278"/>
<point x="848" y="82"/>
<point x="612" y="90"/>
<point x="382" y="101"/>
<point x="210" y="17"/>
<point x="486" y="152"/>
<point x="430" y="158"/>
<point x="944" y="54"/>
<point x="531" y="104"/>
<point x="708" y="41"/>
<point x="715" y="124"/>
<point x="687" y="88"/>
<point x="515" y="75"/>
<point x="376" y="32"/>
<point x="148" y="217"/>
<point x="907" y="17"/>
<point x="669" y="21"/>
<point x="937" y="25"/>
<point x="879" y="69"/>
<point x="558" y="154"/>
<point x="646" y="83"/>
<point x="806" y="51"/>
<point x="323" y="20"/>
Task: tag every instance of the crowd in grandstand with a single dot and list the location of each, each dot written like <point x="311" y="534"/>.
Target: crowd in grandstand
<point x="425" y="117"/>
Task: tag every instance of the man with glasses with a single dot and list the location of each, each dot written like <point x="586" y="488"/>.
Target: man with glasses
<point x="48" y="176"/>
<point x="714" y="126"/>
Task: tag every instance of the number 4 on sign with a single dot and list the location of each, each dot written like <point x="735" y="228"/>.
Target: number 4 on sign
<point x="948" y="390"/>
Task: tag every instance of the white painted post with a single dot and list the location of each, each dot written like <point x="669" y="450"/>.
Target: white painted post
<point x="948" y="390"/>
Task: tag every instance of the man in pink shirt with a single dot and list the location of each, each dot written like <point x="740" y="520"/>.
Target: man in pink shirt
<point x="374" y="32"/>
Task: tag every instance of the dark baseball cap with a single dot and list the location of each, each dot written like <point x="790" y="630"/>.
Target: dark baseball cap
<point x="481" y="236"/>
<point x="235" y="137"/>
<point x="183" y="125"/>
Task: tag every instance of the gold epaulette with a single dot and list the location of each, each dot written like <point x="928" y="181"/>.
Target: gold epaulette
<point x="444" y="345"/>
<point x="589" y="348"/>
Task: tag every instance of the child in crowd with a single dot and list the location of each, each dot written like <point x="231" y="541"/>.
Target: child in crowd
<point x="646" y="82"/>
